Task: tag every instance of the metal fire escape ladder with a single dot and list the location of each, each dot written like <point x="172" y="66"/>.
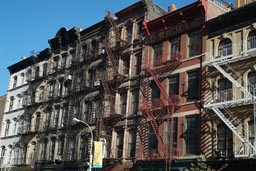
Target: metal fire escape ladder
<point x="113" y="24"/>
<point x="74" y="100"/>
<point x="229" y="120"/>
<point x="143" y="127"/>
<point x="230" y="78"/>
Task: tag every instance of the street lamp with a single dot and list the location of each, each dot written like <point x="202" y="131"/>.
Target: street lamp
<point x="90" y="160"/>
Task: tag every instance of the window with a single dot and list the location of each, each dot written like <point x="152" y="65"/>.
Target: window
<point x="192" y="135"/>
<point x="88" y="111"/>
<point x="252" y="40"/>
<point x="55" y="64"/>
<point x="252" y="83"/>
<point x="137" y="64"/>
<point x="60" y="87"/>
<point x="126" y="65"/>
<point x="37" y="124"/>
<point x="132" y="143"/>
<point x="195" y="43"/>
<point x="64" y="115"/>
<point x="73" y="148"/>
<point x="153" y="143"/>
<point x="52" y="89"/>
<point x="193" y="85"/>
<point x="91" y="77"/>
<point x="45" y="67"/>
<point x="19" y="100"/>
<point x="174" y="85"/>
<point x="83" y="147"/>
<point x="225" y="92"/>
<point x="22" y="78"/>
<point x="63" y="61"/>
<point x="157" y="54"/>
<point x="48" y="119"/>
<point x="129" y="33"/>
<point x="7" y="127"/>
<point x="94" y="47"/>
<point x="225" y="47"/>
<point x="28" y="75"/>
<point x="56" y="117"/>
<point x="135" y="101"/>
<point x="119" y="145"/>
<point x="11" y="103"/>
<point x="15" y="79"/>
<point x="37" y="72"/>
<point x="41" y="93"/>
<point x="61" y="147"/>
<point x="3" y="149"/>
<point x="85" y="51"/>
<point x="174" y="131"/>
<point x="225" y="141"/>
<point x="155" y="94"/>
<point x="251" y="133"/>
<point x="52" y="149"/>
<point x="123" y="102"/>
<point x="175" y="48"/>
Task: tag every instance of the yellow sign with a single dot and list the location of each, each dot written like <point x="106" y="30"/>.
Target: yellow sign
<point x="97" y="156"/>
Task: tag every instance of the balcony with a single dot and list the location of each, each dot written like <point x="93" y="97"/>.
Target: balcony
<point x="233" y="52"/>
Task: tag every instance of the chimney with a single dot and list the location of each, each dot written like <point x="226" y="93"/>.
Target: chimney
<point x="172" y="8"/>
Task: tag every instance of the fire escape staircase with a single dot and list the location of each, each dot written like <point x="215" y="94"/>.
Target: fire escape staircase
<point x="231" y="121"/>
<point x="156" y="113"/>
<point x="221" y="109"/>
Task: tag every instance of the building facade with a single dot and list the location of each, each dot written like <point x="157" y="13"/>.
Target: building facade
<point x="14" y="113"/>
<point x="173" y="59"/>
<point x="230" y="87"/>
<point x="160" y="90"/>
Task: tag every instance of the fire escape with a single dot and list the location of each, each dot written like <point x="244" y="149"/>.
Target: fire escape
<point x="110" y="79"/>
<point x="157" y="111"/>
<point x="222" y="106"/>
<point x="75" y="94"/>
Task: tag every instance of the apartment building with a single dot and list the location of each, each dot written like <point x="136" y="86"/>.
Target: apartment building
<point x="14" y="113"/>
<point x="91" y="75"/>
<point x="230" y="88"/>
<point x="172" y="94"/>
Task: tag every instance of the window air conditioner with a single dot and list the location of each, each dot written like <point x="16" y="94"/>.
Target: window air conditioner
<point x="97" y="83"/>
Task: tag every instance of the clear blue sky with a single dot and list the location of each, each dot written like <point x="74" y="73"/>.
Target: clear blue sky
<point x="26" y="25"/>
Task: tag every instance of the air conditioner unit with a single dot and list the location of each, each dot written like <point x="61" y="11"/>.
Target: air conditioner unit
<point x="69" y="77"/>
<point x="97" y="83"/>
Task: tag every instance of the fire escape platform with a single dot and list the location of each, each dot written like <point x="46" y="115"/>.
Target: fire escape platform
<point x="231" y="103"/>
<point x="232" y="58"/>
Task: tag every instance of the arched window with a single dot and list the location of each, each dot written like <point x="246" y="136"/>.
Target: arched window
<point x="2" y="155"/>
<point x="252" y="40"/>
<point x="225" y="47"/>
<point x="15" y="79"/>
<point x="252" y="82"/>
